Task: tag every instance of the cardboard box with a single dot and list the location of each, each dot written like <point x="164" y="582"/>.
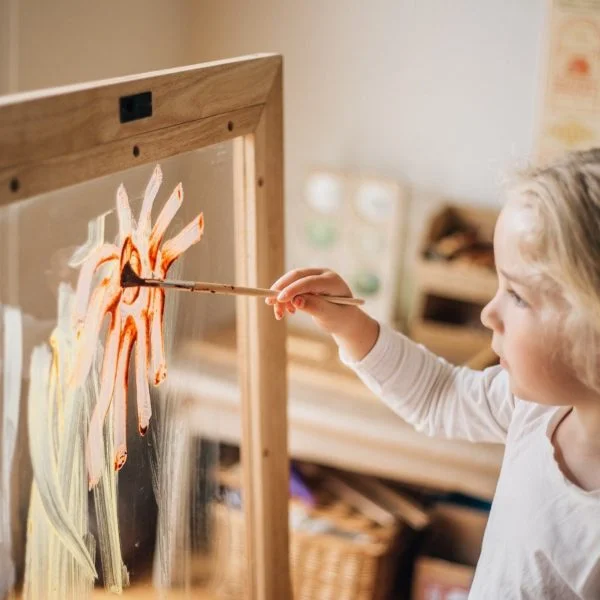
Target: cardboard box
<point x="437" y="579"/>
<point x="446" y="566"/>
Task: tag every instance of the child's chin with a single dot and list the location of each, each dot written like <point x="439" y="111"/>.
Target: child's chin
<point x="517" y="393"/>
<point x="520" y="392"/>
<point x="523" y="394"/>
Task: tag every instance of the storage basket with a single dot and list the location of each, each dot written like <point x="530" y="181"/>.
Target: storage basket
<point x="358" y="562"/>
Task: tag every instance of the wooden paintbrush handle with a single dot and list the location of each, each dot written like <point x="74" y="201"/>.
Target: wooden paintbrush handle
<point x="236" y="290"/>
<point x="342" y="300"/>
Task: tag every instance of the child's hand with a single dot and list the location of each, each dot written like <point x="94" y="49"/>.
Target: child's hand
<point x="355" y="331"/>
<point x="297" y="291"/>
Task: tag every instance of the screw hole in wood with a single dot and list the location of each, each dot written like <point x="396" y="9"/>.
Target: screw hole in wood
<point x="230" y="125"/>
<point x="136" y="151"/>
<point x="14" y="185"/>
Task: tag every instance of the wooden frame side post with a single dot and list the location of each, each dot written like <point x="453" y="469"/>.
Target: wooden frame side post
<point x="259" y="218"/>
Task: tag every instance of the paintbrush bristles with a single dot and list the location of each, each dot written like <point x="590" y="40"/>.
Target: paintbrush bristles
<point x="129" y="278"/>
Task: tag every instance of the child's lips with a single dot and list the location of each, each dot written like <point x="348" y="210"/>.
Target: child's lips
<point x="503" y="362"/>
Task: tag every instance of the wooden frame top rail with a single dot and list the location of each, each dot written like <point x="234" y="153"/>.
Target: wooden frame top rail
<point x="62" y="136"/>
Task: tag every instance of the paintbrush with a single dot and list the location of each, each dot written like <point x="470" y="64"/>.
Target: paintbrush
<point x="129" y="278"/>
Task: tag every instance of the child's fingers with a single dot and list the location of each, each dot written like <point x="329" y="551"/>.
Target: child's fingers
<point x="278" y="310"/>
<point x="289" y="306"/>
<point x="311" y="284"/>
<point x="299" y="302"/>
<point x="281" y="308"/>
<point x="294" y="275"/>
<point x="314" y="305"/>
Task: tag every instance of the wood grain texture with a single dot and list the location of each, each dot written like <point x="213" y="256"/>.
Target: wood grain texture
<point x="97" y="161"/>
<point x="262" y="353"/>
<point x="37" y="126"/>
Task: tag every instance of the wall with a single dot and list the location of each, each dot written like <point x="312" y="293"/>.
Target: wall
<point x="439" y="94"/>
<point x="65" y="41"/>
<point x="8" y="45"/>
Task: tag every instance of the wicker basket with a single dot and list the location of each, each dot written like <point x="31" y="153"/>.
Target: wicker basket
<point x="324" y="566"/>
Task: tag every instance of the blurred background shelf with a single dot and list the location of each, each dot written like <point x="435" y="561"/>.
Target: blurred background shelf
<point x="454" y="279"/>
<point x="333" y="418"/>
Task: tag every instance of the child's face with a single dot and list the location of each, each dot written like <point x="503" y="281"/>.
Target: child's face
<point x="524" y="337"/>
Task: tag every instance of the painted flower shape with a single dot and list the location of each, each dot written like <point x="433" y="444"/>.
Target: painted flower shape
<point x="136" y="316"/>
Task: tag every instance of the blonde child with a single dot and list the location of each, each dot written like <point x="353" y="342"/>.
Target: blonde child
<point x="542" y="401"/>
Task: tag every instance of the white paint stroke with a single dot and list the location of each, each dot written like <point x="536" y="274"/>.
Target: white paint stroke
<point x="53" y="571"/>
<point x="95" y="239"/>
<point x="45" y="472"/>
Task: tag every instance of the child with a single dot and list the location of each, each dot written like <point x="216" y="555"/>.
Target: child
<point x="542" y="401"/>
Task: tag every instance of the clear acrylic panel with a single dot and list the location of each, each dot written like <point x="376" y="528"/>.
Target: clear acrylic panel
<point x="118" y="404"/>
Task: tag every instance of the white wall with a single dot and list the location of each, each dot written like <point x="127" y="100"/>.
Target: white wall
<point x="439" y="94"/>
<point x="65" y="41"/>
<point x="8" y="50"/>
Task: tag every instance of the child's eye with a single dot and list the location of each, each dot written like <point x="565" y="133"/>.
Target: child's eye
<point x="518" y="300"/>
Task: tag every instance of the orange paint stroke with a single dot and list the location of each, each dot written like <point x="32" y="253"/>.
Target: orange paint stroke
<point x="136" y="314"/>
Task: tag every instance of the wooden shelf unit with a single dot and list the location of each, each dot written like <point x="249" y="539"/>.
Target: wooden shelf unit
<point x="457" y="282"/>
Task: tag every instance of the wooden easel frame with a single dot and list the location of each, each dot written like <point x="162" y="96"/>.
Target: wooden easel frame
<point x="59" y="137"/>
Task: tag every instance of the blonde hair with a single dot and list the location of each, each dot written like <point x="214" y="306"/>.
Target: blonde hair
<point x="562" y="247"/>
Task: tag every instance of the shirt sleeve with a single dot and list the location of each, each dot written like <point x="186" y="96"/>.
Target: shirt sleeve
<point x="437" y="398"/>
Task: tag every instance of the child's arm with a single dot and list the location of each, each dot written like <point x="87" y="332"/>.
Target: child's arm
<point x="434" y="396"/>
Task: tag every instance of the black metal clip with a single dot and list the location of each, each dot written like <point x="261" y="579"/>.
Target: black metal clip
<point x="137" y="106"/>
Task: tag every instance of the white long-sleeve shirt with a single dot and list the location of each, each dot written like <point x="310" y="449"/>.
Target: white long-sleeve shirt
<point x="543" y="534"/>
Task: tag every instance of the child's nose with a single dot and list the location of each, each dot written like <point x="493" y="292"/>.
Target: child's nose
<point x="490" y="317"/>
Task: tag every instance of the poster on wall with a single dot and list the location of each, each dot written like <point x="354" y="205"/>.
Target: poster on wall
<point x="353" y="224"/>
<point x="569" y="117"/>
